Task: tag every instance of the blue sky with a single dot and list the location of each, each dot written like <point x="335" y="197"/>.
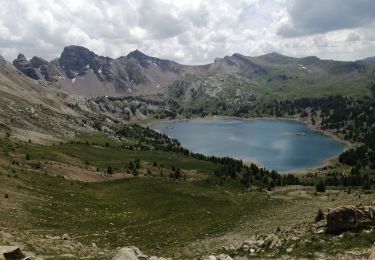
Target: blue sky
<point x="189" y="31"/>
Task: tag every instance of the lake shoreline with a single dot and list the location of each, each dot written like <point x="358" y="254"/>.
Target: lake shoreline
<point x="307" y="121"/>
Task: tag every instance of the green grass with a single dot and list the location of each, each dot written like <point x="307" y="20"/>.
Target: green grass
<point x="147" y="212"/>
<point x="117" y="157"/>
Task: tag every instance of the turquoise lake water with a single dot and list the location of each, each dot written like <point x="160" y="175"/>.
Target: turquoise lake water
<point x="275" y="144"/>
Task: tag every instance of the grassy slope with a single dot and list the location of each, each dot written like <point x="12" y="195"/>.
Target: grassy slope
<point x="180" y="219"/>
<point x="116" y="157"/>
<point x="148" y="212"/>
<point x="159" y="216"/>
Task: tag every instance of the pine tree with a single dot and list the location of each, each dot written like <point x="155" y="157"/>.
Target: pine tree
<point x="320" y="186"/>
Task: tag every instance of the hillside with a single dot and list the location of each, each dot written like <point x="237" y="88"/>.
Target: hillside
<point x="32" y="109"/>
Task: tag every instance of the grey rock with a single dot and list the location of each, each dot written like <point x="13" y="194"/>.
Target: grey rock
<point x="129" y="253"/>
<point x="372" y="253"/>
<point x="224" y="257"/>
<point x="65" y="237"/>
<point x="54" y="237"/>
<point x="350" y="218"/>
<point x="11" y="252"/>
<point x="260" y="242"/>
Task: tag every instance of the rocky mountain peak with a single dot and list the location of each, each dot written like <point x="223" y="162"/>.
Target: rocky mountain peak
<point x="146" y="61"/>
<point x="37" y="62"/>
<point x="143" y="59"/>
<point x="76" y="60"/>
<point x="137" y="54"/>
<point x="75" y="57"/>
<point x="21" y="57"/>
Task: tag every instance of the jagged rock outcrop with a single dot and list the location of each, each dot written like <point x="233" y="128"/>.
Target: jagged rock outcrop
<point x="23" y="65"/>
<point x="350" y="218"/>
<point x="37" y="68"/>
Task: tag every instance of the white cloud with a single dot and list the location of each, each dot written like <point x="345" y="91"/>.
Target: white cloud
<point x="188" y="31"/>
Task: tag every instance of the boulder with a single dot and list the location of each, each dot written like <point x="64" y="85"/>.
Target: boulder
<point x="53" y="237"/>
<point x="129" y="253"/>
<point x="275" y="242"/>
<point x="11" y="253"/>
<point x="372" y="253"/>
<point x="224" y="257"/>
<point x="65" y="237"/>
<point x="260" y="242"/>
<point x="350" y="218"/>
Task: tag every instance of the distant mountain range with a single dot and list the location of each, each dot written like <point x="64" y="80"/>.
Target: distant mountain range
<point x="368" y="61"/>
<point x="81" y="71"/>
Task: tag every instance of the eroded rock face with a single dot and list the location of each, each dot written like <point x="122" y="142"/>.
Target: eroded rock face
<point x="350" y="218"/>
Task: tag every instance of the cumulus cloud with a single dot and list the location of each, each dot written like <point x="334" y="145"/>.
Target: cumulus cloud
<point x="188" y="31"/>
<point x="306" y="17"/>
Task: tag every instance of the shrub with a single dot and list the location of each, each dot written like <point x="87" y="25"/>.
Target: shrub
<point x="320" y="186"/>
<point x="319" y="215"/>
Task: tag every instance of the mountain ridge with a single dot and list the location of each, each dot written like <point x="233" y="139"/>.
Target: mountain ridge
<point x="83" y="72"/>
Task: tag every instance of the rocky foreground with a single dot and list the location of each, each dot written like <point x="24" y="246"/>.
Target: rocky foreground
<point x="279" y="245"/>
